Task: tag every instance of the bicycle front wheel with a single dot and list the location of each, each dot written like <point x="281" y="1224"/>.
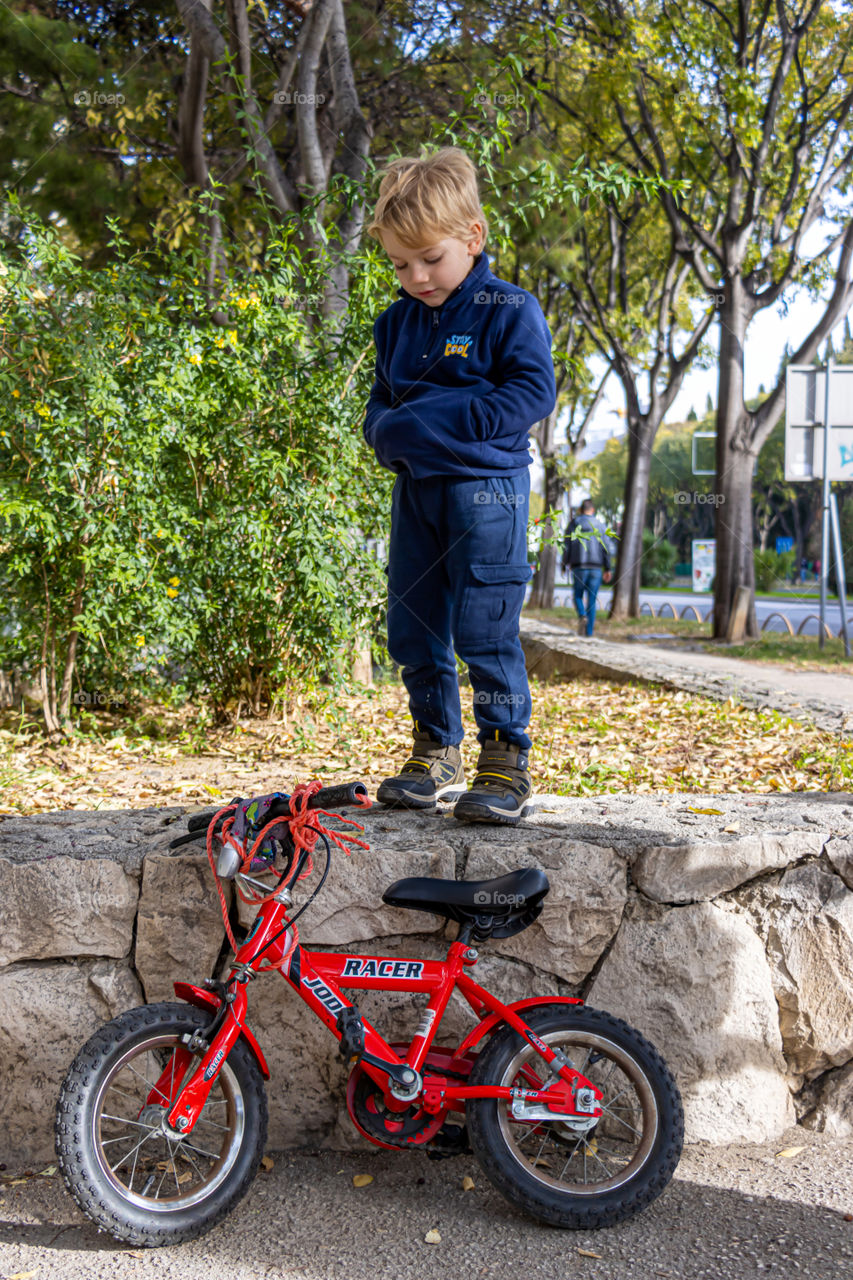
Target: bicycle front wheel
<point x="132" y="1179"/>
<point x="548" y="1168"/>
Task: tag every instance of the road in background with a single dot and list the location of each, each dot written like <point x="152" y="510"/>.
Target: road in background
<point x="795" y="610"/>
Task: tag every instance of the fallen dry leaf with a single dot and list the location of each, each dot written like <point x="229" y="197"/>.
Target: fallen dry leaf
<point x="22" y="1275"/>
<point x="588" y="1253"/>
<point x="362" y="1179"/>
<point x="694" y="810"/>
<point x="267" y="1163"/>
<point x="467" y="1183"/>
<point x="432" y="1237"/>
<point x="733" y="826"/>
<point x="787" y="1152"/>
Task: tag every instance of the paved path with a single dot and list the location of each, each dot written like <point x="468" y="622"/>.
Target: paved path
<point x="824" y="698"/>
<point x="730" y="1213"/>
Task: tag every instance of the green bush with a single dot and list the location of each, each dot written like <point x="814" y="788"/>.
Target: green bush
<point x="180" y="493"/>
<point x="772" y="567"/>
<point x="659" y="560"/>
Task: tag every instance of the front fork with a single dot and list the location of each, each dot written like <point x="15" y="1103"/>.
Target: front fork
<point x="192" y="1098"/>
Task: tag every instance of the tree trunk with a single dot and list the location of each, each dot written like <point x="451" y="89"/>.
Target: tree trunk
<point x="626" y="585"/>
<point x="735" y="462"/>
<point x="64" y="707"/>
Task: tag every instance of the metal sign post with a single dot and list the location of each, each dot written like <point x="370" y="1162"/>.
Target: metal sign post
<point x="824" y="521"/>
<point x="805" y="387"/>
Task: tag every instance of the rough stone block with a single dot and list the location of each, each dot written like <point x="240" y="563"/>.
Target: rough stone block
<point x="179" y="930"/>
<point x="49" y="1012"/>
<point x="806" y="918"/>
<point x="697" y="872"/>
<point x="65" y="907"/>
<point x="581" y="912"/>
<point x="696" y="982"/>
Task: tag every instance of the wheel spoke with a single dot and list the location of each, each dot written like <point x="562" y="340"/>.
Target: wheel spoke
<point x="137" y="1124"/>
<point x="128" y="1154"/>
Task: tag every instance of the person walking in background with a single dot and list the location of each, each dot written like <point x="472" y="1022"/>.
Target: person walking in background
<point x="589" y="559"/>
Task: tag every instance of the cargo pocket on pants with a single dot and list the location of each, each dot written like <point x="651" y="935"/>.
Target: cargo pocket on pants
<point x="493" y="598"/>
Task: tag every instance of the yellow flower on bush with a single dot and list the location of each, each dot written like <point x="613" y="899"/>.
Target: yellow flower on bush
<point x="161" y="533"/>
<point x="171" y="592"/>
<point x="173" y="582"/>
<point x="194" y="358"/>
<point x="42" y="410"/>
<point x="242" y="303"/>
<point x="232" y="336"/>
<point x="219" y="342"/>
<point x="140" y="641"/>
<point x="16" y="393"/>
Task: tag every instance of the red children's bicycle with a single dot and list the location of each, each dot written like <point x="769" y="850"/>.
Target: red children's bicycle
<point x="162" y="1117"/>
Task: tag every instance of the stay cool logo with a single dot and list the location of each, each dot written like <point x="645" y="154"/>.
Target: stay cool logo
<point x="457" y="344"/>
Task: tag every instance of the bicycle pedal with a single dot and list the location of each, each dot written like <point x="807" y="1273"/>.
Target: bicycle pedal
<point x="351" y="1027"/>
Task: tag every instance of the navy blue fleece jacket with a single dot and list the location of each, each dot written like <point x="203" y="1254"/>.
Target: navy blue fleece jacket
<point x="458" y="386"/>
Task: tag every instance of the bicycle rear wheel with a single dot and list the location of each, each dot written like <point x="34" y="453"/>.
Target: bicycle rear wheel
<point x="554" y="1172"/>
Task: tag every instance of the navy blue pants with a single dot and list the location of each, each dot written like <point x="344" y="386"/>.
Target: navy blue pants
<point x="457" y="571"/>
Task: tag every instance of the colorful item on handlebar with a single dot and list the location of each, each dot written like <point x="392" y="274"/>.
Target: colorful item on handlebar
<point x="250" y="818"/>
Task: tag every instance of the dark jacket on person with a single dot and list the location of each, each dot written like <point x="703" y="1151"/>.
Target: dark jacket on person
<point x="458" y="387"/>
<point x="592" y="552"/>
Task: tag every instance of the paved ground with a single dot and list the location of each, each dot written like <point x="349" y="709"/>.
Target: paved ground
<point x="736" y="1213"/>
<point x="826" y="699"/>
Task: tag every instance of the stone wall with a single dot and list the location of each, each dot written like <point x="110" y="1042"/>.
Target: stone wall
<point x="732" y="952"/>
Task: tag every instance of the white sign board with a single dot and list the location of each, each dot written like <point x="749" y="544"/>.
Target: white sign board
<point x="805" y="398"/>
<point x="704" y="564"/>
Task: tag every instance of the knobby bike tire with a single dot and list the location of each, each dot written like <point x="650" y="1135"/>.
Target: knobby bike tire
<point x="553" y="1173"/>
<point x="129" y="1178"/>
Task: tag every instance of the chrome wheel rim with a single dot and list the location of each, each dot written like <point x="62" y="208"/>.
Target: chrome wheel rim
<point x="146" y="1166"/>
<point x="619" y="1145"/>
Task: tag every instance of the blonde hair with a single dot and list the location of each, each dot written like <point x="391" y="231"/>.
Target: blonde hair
<point x="429" y="198"/>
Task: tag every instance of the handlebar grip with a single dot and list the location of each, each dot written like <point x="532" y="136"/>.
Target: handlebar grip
<point x="203" y="820"/>
<point x="347" y="793"/>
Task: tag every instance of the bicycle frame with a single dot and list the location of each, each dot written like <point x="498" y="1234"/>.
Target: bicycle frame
<point x="318" y="978"/>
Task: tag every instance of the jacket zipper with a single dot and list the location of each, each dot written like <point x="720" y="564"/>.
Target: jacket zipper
<point x="433" y="328"/>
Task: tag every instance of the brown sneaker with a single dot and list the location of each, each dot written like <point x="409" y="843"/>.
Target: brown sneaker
<point x="432" y="772"/>
<point x="502" y="789"/>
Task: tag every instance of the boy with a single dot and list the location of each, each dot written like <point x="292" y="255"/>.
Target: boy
<point x="463" y="371"/>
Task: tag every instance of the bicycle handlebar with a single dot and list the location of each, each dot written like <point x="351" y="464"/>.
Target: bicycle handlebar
<point x="346" y="793"/>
